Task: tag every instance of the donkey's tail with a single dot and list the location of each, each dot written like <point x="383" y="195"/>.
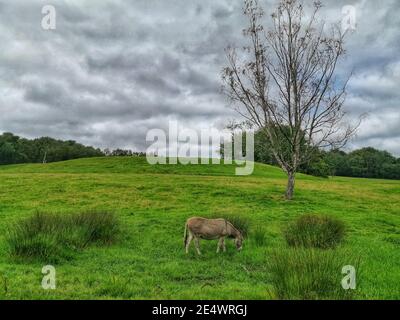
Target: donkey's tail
<point x="185" y="235"/>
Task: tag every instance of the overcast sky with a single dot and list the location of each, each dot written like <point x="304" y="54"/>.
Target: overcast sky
<point x="112" y="70"/>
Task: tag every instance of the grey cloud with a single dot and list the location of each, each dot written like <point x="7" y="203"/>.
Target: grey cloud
<point x="112" y="70"/>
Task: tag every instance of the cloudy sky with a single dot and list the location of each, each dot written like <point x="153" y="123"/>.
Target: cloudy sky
<point x="112" y="70"/>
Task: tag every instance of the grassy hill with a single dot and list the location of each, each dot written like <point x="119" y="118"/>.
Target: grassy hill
<point x="153" y="203"/>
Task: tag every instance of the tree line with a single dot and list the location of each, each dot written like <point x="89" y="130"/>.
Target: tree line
<point x="14" y="149"/>
<point x="364" y="163"/>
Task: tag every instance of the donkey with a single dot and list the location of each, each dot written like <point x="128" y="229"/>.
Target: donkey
<point x="210" y="229"/>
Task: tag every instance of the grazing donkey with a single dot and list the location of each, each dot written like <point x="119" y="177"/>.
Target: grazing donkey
<point x="200" y="228"/>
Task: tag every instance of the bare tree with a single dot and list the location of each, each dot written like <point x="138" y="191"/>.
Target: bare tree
<point x="284" y="83"/>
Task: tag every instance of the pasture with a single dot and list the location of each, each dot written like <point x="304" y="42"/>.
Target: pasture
<point x="153" y="202"/>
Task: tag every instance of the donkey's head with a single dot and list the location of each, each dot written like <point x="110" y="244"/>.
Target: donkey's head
<point x="238" y="241"/>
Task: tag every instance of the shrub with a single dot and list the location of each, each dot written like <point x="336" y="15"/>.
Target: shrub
<point x="309" y="274"/>
<point x="97" y="227"/>
<point x="315" y="231"/>
<point x="259" y="237"/>
<point x="53" y="237"/>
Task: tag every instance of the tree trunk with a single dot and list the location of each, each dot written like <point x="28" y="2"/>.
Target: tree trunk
<point x="290" y="185"/>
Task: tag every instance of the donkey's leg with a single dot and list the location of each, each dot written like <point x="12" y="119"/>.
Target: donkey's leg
<point x="197" y="244"/>
<point x="223" y="244"/>
<point x="219" y="245"/>
<point x="220" y="241"/>
<point x="188" y="241"/>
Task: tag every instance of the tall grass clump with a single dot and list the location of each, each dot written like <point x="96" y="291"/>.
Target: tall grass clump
<point x="53" y="237"/>
<point x="315" y="231"/>
<point x="309" y="274"/>
<point x="258" y="236"/>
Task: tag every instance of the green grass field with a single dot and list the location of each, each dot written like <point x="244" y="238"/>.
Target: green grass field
<point x="153" y="202"/>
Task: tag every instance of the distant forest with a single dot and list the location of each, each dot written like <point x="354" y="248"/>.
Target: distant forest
<point x="363" y="163"/>
<point x="14" y="149"/>
<point x="366" y="162"/>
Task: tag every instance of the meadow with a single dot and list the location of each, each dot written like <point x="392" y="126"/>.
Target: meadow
<point x="153" y="202"/>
